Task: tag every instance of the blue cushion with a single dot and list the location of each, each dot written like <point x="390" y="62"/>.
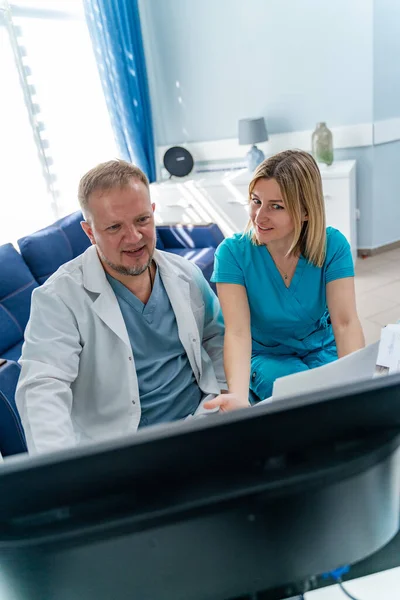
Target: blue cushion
<point x="16" y="286"/>
<point x="9" y="374"/>
<point x="12" y="438"/>
<point x="159" y="243"/>
<point x="202" y="257"/>
<point x="13" y="353"/>
<point x="46" y="250"/>
<point x="190" y="236"/>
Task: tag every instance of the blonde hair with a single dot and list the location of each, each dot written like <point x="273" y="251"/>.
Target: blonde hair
<point x="299" y="180"/>
<point x="107" y="176"/>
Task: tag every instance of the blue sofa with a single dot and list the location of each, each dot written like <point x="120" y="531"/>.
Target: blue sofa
<point x="43" y="252"/>
<point x="46" y="250"/>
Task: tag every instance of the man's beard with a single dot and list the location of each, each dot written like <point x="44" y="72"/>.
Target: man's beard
<point x="130" y="271"/>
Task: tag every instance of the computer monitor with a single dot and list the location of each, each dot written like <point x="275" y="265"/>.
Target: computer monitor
<point x="215" y="508"/>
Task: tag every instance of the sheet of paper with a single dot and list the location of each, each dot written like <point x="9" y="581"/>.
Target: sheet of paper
<point x="395" y="359"/>
<point x="357" y="366"/>
<point x="388" y="346"/>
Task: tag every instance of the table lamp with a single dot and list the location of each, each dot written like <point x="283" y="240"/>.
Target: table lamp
<point x="252" y="131"/>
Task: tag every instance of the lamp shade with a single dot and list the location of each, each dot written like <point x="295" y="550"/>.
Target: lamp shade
<point x="252" y="131"/>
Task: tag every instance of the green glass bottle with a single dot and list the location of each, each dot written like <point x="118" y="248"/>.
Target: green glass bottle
<point x="322" y="144"/>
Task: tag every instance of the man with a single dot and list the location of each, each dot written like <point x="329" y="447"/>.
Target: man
<point x="122" y="336"/>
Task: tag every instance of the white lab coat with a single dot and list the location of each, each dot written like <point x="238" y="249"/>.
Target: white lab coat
<point x="78" y="381"/>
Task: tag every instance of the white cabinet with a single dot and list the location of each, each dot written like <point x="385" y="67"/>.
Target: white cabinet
<point x="221" y="197"/>
<point x="339" y="188"/>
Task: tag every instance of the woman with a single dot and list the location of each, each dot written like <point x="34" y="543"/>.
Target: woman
<point x="286" y="285"/>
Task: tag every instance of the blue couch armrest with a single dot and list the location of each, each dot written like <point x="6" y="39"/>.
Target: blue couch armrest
<point x="190" y="236"/>
<point x="16" y="286"/>
<point x="12" y="437"/>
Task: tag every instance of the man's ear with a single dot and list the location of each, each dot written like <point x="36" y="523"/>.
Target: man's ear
<point x="88" y="230"/>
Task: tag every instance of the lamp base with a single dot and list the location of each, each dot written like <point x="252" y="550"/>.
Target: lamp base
<point x="254" y="157"/>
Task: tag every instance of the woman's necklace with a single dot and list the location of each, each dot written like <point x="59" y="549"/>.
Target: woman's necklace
<point x="285" y="274"/>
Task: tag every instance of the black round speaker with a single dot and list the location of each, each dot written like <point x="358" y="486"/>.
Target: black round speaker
<point x="178" y="161"/>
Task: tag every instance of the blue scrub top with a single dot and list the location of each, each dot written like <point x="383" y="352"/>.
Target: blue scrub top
<point x="293" y="320"/>
<point x="167" y="385"/>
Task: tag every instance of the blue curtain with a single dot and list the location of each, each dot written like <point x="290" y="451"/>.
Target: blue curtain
<point x="114" y="27"/>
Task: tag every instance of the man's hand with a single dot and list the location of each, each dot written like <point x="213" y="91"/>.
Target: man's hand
<point x="227" y="402"/>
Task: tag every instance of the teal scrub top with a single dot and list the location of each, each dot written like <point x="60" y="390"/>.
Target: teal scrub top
<point x="293" y="320"/>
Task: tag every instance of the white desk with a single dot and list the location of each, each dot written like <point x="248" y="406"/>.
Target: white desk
<point x="221" y="197"/>
<point x="380" y="586"/>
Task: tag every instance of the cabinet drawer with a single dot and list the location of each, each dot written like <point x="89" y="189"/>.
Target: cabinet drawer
<point x="337" y="189"/>
<point x="169" y="215"/>
<point x="169" y="196"/>
<point x="337" y="205"/>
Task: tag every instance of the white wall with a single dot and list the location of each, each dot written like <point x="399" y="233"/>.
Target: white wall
<point x="295" y="62"/>
<point x="386" y="106"/>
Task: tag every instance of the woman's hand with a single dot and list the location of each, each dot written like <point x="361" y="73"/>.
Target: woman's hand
<point x="227" y="402"/>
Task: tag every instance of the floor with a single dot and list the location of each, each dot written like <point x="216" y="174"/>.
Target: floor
<point x="378" y="292"/>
